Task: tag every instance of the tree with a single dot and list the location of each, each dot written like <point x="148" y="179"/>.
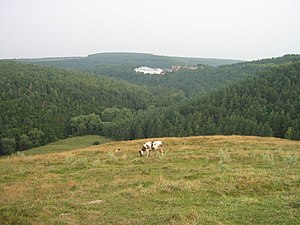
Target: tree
<point x="158" y="127"/>
<point x="139" y="132"/>
<point x="8" y="145"/>
<point x="24" y="142"/>
<point x="36" y="137"/>
<point x="94" y="124"/>
<point x="109" y="114"/>
<point x="289" y="133"/>
<point x="86" y="124"/>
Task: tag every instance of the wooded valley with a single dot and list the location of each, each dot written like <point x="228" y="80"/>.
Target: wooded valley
<point x="40" y="104"/>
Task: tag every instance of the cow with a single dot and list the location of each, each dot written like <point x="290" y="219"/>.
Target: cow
<point x="146" y="147"/>
<point x="151" y="146"/>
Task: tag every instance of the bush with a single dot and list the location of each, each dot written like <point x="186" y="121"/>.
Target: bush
<point x="8" y="145"/>
<point x="96" y="143"/>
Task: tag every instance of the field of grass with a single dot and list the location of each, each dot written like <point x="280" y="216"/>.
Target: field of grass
<point x="200" y="180"/>
<point x="68" y="144"/>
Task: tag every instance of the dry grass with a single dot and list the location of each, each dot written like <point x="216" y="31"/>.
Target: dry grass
<point x="200" y="180"/>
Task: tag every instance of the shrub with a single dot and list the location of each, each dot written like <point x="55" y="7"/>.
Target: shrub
<point x="8" y="145"/>
<point x="96" y="143"/>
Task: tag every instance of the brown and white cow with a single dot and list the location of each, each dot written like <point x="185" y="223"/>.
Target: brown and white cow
<point x="152" y="146"/>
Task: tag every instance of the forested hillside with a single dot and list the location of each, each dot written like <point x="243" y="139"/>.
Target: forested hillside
<point x="190" y="82"/>
<point x="279" y="60"/>
<point x="91" y="62"/>
<point x="195" y="82"/>
<point x="206" y="78"/>
<point x="41" y="104"/>
<point x="37" y="103"/>
<point x="267" y="104"/>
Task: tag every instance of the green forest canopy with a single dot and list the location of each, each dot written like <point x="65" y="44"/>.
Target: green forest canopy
<point x="43" y="100"/>
<point x="42" y="104"/>
<point x="267" y="104"/>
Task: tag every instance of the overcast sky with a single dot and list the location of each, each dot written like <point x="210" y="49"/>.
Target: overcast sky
<point x="237" y="29"/>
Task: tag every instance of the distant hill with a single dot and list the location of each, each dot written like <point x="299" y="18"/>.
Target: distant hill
<point x="291" y="58"/>
<point x="194" y="82"/>
<point x="93" y="61"/>
<point x="191" y="82"/>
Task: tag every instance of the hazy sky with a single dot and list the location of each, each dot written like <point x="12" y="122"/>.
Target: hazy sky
<point x="239" y="29"/>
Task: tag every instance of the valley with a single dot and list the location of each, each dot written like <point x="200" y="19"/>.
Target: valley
<point x="43" y="104"/>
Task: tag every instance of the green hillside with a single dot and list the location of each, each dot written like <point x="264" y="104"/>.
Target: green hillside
<point x="267" y="104"/>
<point x="37" y="103"/>
<point x="195" y="82"/>
<point x="42" y="104"/>
<point x="190" y="82"/>
<point x="200" y="180"/>
<point x="93" y="61"/>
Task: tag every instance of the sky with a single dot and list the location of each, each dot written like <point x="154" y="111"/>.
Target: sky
<point x="235" y="29"/>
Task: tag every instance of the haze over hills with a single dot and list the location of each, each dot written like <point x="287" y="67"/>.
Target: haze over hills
<point x="91" y="62"/>
<point x="41" y="104"/>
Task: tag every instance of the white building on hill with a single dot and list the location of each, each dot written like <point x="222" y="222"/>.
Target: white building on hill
<point x="147" y="70"/>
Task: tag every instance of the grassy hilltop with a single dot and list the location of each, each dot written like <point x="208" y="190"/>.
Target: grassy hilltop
<point x="200" y="180"/>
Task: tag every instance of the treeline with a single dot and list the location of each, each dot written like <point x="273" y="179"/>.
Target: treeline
<point x="108" y="123"/>
<point x="37" y="99"/>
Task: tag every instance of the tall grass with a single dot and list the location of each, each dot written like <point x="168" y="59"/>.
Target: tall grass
<point x="200" y="180"/>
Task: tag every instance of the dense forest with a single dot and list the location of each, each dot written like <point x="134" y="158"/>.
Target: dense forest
<point x="190" y="82"/>
<point x="211" y="73"/>
<point x="194" y="82"/>
<point x="41" y="104"/>
<point x="37" y="103"/>
<point x="267" y="104"/>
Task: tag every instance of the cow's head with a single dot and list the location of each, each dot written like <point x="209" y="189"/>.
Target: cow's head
<point x="141" y="152"/>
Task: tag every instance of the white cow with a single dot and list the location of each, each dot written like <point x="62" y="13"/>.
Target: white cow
<point x="152" y="146"/>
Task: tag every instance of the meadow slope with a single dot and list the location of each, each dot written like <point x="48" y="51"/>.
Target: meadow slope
<point x="200" y="180"/>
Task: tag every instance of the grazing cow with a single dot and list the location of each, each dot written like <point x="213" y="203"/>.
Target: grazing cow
<point x="158" y="145"/>
<point x="146" y="147"/>
<point x="152" y="146"/>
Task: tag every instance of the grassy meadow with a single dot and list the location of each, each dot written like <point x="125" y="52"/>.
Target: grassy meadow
<point x="68" y="144"/>
<point x="200" y="180"/>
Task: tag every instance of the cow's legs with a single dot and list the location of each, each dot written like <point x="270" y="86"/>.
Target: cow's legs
<point x="147" y="152"/>
<point x="161" y="151"/>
